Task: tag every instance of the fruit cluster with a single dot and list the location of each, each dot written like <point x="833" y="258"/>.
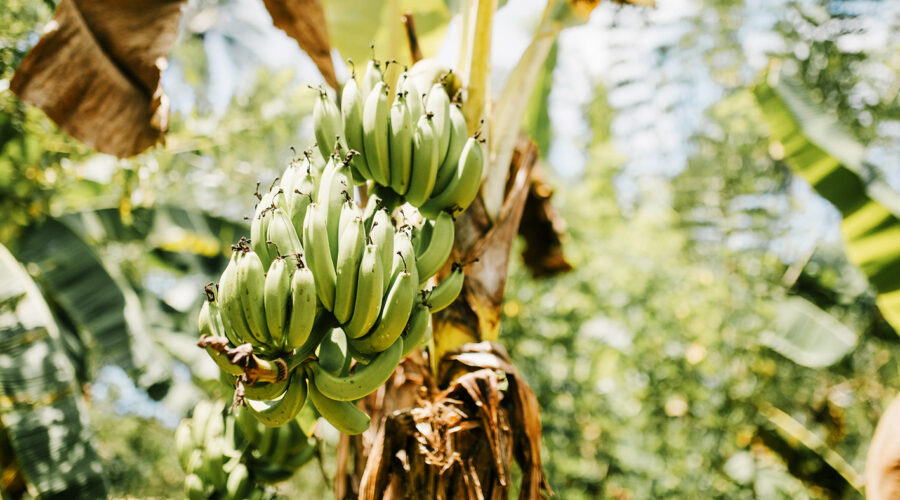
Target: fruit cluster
<point x="225" y="455"/>
<point x="325" y="281"/>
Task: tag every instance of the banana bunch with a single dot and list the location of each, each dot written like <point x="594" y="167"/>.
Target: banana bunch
<point x="228" y="456"/>
<point x="331" y="288"/>
<point x="414" y="142"/>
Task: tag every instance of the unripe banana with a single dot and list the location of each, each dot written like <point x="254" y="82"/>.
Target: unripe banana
<point x="463" y="188"/>
<point x="349" y="211"/>
<point x="303" y="305"/>
<point x="401" y="144"/>
<point x="404" y="258"/>
<point x="318" y="254"/>
<point x="438" y="104"/>
<point x="447" y="290"/>
<point x="363" y="381"/>
<point x="421" y="235"/>
<point x="343" y="415"/>
<point x="334" y="190"/>
<point x="416" y="328"/>
<point x="195" y="488"/>
<point x="371" y="77"/>
<point x="425" y="161"/>
<point x="302" y="193"/>
<point x="281" y="232"/>
<point x="327" y="123"/>
<point x="394" y="314"/>
<point x="439" y="247"/>
<point x="238" y="484"/>
<point x="459" y="134"/>
<point x="214" y="454"/>
<point x="276" y="297"/>
<point x="352" y="113"/>
<point x="200" y="417"/>
<point x="184" y="442"/>
<point x="382" y="236"/>
<point x="232" y="311"/>
<point x="265" y="391"/>
<point x="332" y="352"/>
<point x="350" y="250"/>
<point x="413" y="94"/>
<point x="284" y="410"/>
<point x="251" y="284"/>
<point x="376" y="114"/>
<point x="259" y="227"/>
<point x="368" y="304"/>
<point x="217" y="323"/>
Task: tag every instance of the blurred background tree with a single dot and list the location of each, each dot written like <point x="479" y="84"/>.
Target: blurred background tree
<point x="661" y="364"/>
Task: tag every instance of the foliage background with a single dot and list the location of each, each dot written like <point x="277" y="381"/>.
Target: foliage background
<point x="687" y="233"/>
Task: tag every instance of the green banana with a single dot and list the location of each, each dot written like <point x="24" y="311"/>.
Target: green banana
<point x="275" y="298"/>
<point x="303" y="306"/>
<point x="401" y="144"/>
<point x="318" y="254"/>
<point x="332" y="351"/>
<point x="350" y="251"/>
<point x="408" y="88"/>
<point x="184" y="442"/>
<point x="300" y="195"/>
<point x="238" y="484"/>
<point x="282" y="234"/>
<point x="334" y="189"/>
<point x="404" y="258"/>
<point x="422" y="235"/>
<point x="217" y="324"/>
<point x="284" y="410"/>
<point x="416" y="329"/>
<point x="327" y="123"/>
<point x="463" y="187"/>
<point x="371" y="77"/>
<point x="349" y="211"/>
<point x="439" y="247"/>
<point x="394" y="314"/>
<point x="232" y="311"/>
<point x="352" y="113"/>
<point x="447" y="290"/>
<point x="251" y="283"/>
<point x="459" y="134"/>
<point x="205" y="324"/>
<point x="265" y="391"/>
<point x="428" y="71"/>
<point x="438" y="104"/>
<point x="259" y="227"/>
<point x="195" y="488"/>
<point x="376" y="114"/>
<point x="343" y="415"/>
<point x="200" y="419"/>
<point x="363" y="381"/>
<point x="214" y="454"/>
<point x="426" y="159"/>
<point x="382" y="236"/>
<point x="368" y="304"/>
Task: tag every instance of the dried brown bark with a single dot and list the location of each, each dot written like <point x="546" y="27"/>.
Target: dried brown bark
<point x="96" y="71"/>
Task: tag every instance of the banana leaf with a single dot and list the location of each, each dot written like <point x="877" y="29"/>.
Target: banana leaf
<point x="40" y="403"/>
<point x="816" y="147"/>
<point x="808" y="335"/>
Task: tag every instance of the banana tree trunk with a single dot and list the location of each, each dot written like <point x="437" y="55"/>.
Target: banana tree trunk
<point x="450" y="427"/>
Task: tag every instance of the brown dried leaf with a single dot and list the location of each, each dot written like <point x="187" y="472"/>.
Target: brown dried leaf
<point x="304" y="21"/>
<point x="542" y="227"/>
<point x="95" y="71"/>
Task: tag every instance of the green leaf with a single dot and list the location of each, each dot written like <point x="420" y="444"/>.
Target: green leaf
<point x="40" y="403"/>
<point x="817" y="148"/>
<point x="537" y="115"/>
<point x="74" y="277"/>
<point x="808" y="335"/>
